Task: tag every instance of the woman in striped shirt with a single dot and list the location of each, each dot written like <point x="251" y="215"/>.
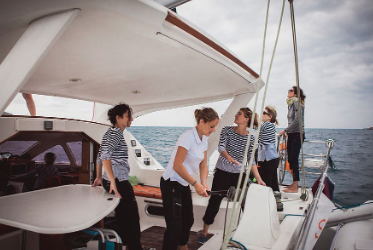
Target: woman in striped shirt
<point x="113" y="155"/>
<point x="231" y="147"/>
<point x="267" y="155"/>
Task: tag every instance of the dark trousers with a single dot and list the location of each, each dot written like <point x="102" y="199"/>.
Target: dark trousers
<point x="127" y="215"/>
<point x="222" y="181"/>
<point x="293" y="147"/>
<point x="268" y="172"/>
<point x="178" y="210"/>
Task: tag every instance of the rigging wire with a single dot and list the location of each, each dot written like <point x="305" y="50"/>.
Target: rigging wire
<point x="233" y="213"/>
<point x="304" y="195"/>
<point x="264" y="40"/>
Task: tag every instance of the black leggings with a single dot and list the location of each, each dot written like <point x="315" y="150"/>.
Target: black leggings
<point x="268" y="172"/>
<point x="222" y="181"/>
<point x="178" y="210"/>
<point x="127" y="215"/>
<point x="293" y="148"/>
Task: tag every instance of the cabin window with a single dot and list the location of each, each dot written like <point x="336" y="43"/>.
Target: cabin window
<point x="76" y="149"/>
<point x="16" y="147"/>
<point x="60" y="153"/>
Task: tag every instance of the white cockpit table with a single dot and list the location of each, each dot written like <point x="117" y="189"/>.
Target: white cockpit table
<point x="58" y="210"/>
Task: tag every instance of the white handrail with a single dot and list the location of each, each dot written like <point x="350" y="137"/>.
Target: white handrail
<point x="310" y="215"/>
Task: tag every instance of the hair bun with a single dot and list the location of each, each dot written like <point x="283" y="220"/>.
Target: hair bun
<point x="197" y="112"/>
<point x="110" y="112"/>
<point x="206" y="114"/>
<point x="119" y="109"/>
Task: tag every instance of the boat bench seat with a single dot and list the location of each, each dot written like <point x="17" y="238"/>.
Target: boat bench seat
<point x="147" y="191"/>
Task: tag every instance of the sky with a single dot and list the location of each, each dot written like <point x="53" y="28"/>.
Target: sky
<point x="335" y="53"/>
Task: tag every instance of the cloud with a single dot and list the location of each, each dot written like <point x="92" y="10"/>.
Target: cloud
<point x="335" y="52"/>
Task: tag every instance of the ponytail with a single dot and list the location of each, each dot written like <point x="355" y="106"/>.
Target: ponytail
<point x="206" y="114"/>
<point x="119" y="109"/>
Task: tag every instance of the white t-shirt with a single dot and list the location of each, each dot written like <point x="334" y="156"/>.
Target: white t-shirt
<point x="196" y="152"/>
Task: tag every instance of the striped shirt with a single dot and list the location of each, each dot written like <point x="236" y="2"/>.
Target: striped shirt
<point x="267" y="142"/>
<point x="114" y="147"/>
<point x="235" y="145"/>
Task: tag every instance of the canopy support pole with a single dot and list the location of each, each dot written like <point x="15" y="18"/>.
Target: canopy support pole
<point x="239" y="101"/>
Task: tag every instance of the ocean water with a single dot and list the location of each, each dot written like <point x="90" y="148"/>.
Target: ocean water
<point x="351" y="154"/>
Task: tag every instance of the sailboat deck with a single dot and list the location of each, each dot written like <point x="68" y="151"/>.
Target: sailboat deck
<point x="293" y="205"/>
<point x="153" y="237"/>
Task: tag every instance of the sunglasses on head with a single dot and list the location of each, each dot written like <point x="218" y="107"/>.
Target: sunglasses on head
<point x="247" y="114"/>
<point x="265" y="113"/>
<point x="291" y="90"/>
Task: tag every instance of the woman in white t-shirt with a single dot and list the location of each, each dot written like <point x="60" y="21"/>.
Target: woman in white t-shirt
<point x="189" y="154"/>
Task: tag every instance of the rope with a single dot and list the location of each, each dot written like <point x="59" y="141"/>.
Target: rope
<point x="300" y="111"/>
<point x="236" y="245"/>
<point x="264" y="39"/>
<point x="233" y="213"/>
<point x="296" y="199"/>
<point x="225" y="218"/>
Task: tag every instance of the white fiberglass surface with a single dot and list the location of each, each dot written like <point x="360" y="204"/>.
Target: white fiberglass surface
<point x="57" y="210"/>
<point x="141" y="59"/>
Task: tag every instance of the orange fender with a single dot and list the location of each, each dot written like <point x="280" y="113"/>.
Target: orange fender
<point x="283" y="146"/>
<point x="287" y="167"/>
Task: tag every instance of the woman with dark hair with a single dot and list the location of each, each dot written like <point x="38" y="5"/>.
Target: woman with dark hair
<point x="293" y="133"/>
<point x="113" y="155"/>
<point x="189" y="154"/>
<point x="232" y="145"/>
<point x="268" y="158"/>
<point x="43" y="172"/>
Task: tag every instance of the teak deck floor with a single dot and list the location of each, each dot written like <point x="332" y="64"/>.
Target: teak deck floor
<point x="153" y="237"/>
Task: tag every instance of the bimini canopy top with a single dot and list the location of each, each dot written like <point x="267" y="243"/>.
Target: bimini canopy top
<point x="137" y="52"/>
<point x="171" y="3"/>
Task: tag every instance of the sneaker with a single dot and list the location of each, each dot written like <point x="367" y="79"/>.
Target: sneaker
<point x="202" y="239"/>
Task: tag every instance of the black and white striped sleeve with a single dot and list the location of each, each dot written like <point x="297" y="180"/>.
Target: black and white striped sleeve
<point x="223" y="140"/>
<point x="267" y="134"/>
<point x="109" y="142"/>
